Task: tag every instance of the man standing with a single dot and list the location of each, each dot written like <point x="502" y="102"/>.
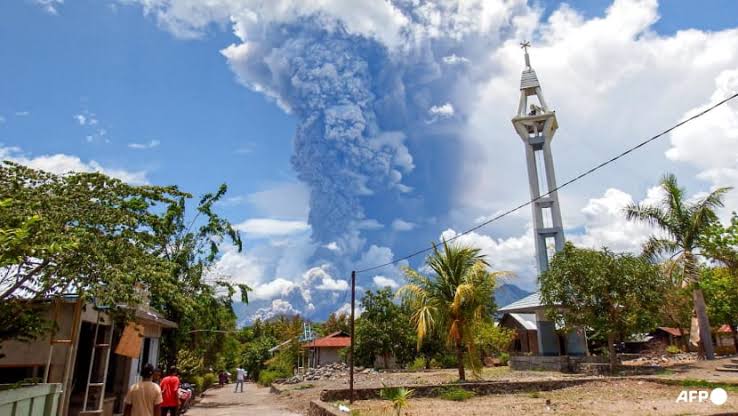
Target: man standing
<point x="144" y="397"/>
<point x="170" y="392"/>
<point x="240" y="377"/>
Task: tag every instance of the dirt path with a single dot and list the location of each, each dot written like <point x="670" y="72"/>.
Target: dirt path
<point x="253" y="401"/>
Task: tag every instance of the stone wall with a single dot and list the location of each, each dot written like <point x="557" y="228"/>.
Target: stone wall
<point x="540" y="363"/>
<point x="480" y="388"/>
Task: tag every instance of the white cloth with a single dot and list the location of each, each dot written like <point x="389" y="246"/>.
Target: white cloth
<point x="240" y="374"/>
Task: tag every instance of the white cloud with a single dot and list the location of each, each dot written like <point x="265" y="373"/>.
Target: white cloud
<point x="277" y="308"/>
<point x="382" y="282"/>
<point x="270" y="227"/>
<point x="49" y="6"/>
<point x="332" y="246"/>
<point x="454" y="59"/>
<point x="327" y="282"/>
<point x="191" y="18"/>
<point x="402" y="225"/>
<point x="62" y="163"/>
<point x="22" y="113"/>
<point x="345" y="309"/>
<point x="2" y="119"/>
<point x="275" y="288"/>
<point x="604" y="225"/>
<point x="593" y="72"/>
<point x="144" y="146"/>
<point x="442" y="111"/>
<point x="710" y="143"/>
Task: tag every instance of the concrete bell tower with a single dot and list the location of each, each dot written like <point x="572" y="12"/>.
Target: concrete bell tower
<point x="536" y="125"/>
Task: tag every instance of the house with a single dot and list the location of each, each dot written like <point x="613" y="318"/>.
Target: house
<point x="526" y="331"/>
<point x="327" y="350"/>
<point x="656" y="341"/>
<point x="555" y="343"/>
<point x="84" y="354"/>
<point x="725" y="340"/>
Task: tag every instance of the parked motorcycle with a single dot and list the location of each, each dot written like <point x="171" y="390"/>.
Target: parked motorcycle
<point x="186" y="396"/>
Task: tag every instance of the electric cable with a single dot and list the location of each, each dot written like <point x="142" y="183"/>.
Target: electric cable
<point x="565" y="184"/>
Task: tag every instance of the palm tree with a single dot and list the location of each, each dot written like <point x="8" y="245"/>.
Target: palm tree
<point x="458" y="297"/>
<point x="682" y="224"/>
<point x="399" y="396"/>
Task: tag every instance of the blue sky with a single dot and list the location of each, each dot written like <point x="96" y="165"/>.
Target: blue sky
<point x="412" y="139"/>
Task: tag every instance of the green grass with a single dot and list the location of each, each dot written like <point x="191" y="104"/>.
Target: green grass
<point x="690" y="382"/>
<point x="456" y="394"/>
<point x="534" y="395"/>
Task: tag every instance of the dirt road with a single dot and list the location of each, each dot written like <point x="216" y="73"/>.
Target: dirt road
<point x="253" y="401"/>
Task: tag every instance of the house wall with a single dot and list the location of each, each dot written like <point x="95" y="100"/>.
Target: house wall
<point x="328" y="356"/>
<point x="36" y="353"/>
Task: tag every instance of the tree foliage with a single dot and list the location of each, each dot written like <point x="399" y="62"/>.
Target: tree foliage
<point x="82" y="233"/>
<point x="721" y="293"/>
<point x="111" y="242"/>
<point x="683" y="226"/>
<point x="383" y="330"/>
<point x="721" y="243"/>
<point x="456" y="299"/>
<point x="614" y="294"/>
<point x="336" y="322"/>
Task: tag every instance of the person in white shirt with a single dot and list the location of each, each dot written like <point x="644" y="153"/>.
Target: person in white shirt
<point x="240" y="377"/>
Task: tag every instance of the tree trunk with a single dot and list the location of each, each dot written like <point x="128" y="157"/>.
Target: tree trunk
<point x="612" y="353"/>
<point x="735" y="337"/>
<point x="385" y="358"/>
<point x="703" y="322"/>
<point x="460" y="360"/>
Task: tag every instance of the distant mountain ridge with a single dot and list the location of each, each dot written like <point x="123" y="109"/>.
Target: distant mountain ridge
<point x="508" y="293"/>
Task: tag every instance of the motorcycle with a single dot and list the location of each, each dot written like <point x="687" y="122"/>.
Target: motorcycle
<point x="186" y="395"/>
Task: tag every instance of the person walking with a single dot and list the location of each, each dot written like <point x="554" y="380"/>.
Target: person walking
<point x="143" y="398"/>
<point x="170" y="393"/>
<point x="240" y="377"/>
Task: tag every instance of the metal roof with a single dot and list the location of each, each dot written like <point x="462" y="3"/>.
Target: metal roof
<point x="527" y="320"/>
<point x="528" y="304"/>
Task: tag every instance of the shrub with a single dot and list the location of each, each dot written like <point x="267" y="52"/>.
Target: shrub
<point x="199" y="383"/>
<point x="208" y="380"/>
<point x="417" y="364"/>
<point x="457" y="394"/>
<point x="269" y="376"/>
<point x="673" y="349"/>
<point x="504" y="358"/>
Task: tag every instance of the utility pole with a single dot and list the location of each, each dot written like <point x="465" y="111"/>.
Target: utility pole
<point x="351" y="352"/>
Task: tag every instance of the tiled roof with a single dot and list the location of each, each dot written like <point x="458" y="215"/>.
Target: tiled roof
<point x="334" y="340"/>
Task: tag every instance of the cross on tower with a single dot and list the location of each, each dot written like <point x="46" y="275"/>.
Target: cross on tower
<point x="525" y="45"/>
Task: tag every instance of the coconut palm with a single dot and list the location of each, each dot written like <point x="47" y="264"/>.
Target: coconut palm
<point x="454" y="300"/>
<point x="399" y="396"/>
<point x="682" y="224"/>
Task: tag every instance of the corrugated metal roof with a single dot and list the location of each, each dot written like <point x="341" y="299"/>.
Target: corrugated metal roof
<point x="529" y="304"/>
<point x="674" y="331"/>
<point x="528" y="320"/>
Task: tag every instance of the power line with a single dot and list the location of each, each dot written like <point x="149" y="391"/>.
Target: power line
<point x="565" y="184"/>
